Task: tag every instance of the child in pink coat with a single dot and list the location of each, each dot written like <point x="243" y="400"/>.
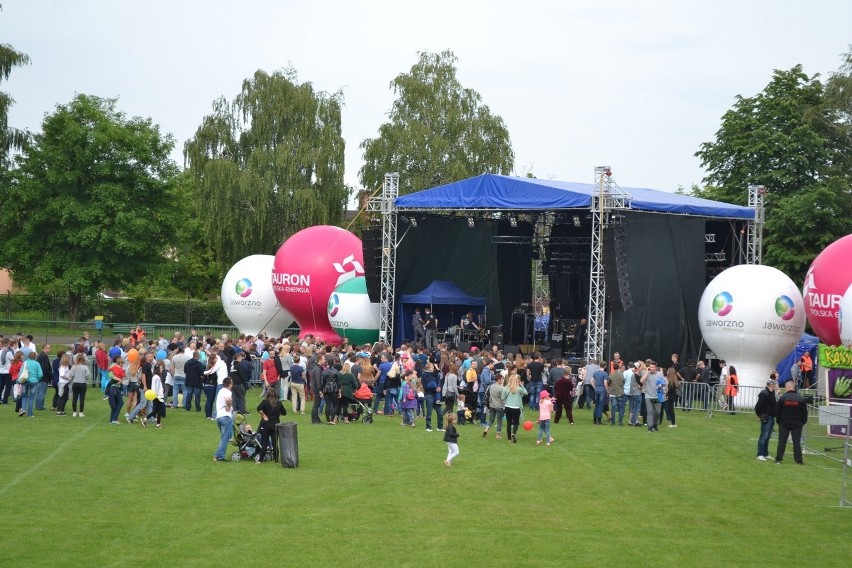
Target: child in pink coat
<point x="545" y="408"/>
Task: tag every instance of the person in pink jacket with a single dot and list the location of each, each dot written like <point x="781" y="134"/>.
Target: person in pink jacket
<point x="545" y="408"/>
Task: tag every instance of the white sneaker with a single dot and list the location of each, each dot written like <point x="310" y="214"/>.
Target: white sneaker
<point x="81" y="415"/>
<point x="672" y="425"/>
<point x="761" y="458"/>
<point x="74" y="415"/>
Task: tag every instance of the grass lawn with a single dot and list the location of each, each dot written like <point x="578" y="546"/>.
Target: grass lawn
<point x="86" y="493"/>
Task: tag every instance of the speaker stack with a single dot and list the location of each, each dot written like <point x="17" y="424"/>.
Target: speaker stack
<point x="497" y="336"/>
<point x="371" y="243"/>
<point x="618" y="296"/>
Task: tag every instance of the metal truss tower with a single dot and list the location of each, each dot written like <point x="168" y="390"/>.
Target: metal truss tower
<point x="541" y="287"/>
<point x="386" y="206"/>
<point x="608" y="196"/>
<point x="754" y="245"/>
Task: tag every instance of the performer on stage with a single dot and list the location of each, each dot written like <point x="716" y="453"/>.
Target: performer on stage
<point x="431" y="325"/>
<point x="469" y="328"/>
<point x="418" y="324"/>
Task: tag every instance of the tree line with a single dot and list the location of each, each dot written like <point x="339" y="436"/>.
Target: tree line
<point x="94" y="202"/>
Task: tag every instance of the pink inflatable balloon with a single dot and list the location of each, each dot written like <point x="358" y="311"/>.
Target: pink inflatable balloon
<point x="828" y="278"/>
<point x="307" y="269"/>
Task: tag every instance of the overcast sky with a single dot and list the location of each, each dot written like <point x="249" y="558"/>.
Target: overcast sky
<point x="634" y="85"/>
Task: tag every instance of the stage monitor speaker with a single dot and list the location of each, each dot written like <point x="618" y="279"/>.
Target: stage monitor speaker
<point x="555" y="353"/>
<point x="464" y="346"/>
<point x="616" y="279"/>
<point x="371" y="243"/>
<point x="509" y="348"/>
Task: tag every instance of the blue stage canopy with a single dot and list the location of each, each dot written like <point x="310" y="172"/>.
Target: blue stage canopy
<point x="490" y="191"/>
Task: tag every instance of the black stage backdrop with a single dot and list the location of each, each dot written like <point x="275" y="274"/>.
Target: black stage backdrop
<point x="665" y="260"/>
<point x="445" y="248"/>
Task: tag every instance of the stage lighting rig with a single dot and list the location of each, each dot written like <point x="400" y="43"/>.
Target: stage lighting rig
<point x="471" y="222"/>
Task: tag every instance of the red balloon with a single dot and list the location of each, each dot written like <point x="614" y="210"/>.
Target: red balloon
<point x="307" y="269"/>
<point x="828" y="278"/>
<point x="528" y="425"/>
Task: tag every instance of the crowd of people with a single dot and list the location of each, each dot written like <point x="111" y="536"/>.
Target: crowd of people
<point x="490" y="388"/>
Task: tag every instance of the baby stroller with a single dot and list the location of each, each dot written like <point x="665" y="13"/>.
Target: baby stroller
<point x="247" y="441"/>
<point x="362" y="409"/>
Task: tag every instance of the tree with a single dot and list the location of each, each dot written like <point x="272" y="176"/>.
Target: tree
<point x="438" y="132"/>
<point x="790" y="140"/>
<point x="267" y="165"/>
<point x="10" y="138"/>
<point x="89" y="205"/>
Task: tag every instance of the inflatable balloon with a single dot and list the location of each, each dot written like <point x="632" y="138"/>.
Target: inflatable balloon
<point x="133" y="355"/>
<point x="248" y="298"/>
<point x="162" y="354"/>
<point x="752" y="316"/>
<point x="308" y="267"/>
<point x="150" y="394"/>
<point x="528" y="425"/>
<point x="351" y="313"/>
<point x="829" y="276"/>
<point x="844" y="319"/>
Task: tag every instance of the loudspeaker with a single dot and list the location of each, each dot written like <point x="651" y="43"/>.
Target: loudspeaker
<point x="371" y="243"/>
<point x="616" y="280"/>
<point x="464" y="346"/>
<point x="497" y="338"/>
<point x="513" y="349"/>
<point x="555" y="353"/>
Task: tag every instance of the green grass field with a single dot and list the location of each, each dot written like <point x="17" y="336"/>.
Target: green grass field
<point x="84" y="492"/>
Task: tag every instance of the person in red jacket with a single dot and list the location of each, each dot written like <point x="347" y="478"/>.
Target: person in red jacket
<point x="102" y="361"/>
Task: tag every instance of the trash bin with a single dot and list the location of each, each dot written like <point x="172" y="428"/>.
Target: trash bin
<point x="288" y="444"/>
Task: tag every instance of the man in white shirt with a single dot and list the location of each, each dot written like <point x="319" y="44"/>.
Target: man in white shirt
<point x="720" y="388"/>
<point x="224" y="419"/>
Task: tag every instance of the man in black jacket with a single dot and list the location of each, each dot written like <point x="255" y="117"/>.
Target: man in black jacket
<point x="792" y="414"/>
<point x="193" y="368"/>
<point x="765" y="410"/>
<point x="43" y="360"/>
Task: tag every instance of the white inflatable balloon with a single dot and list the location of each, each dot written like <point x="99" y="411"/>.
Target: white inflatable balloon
<point x="752" y="316"/>
<point x="249" y="300"/>
<point x="844" y="319"/>
<point x="351" y="313"/>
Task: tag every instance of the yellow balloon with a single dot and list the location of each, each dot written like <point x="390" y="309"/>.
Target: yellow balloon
<point x="150" y="394"/>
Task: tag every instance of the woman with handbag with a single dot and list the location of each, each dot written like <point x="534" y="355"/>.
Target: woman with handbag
<point x="14" y="373"/>
<point x="29" y="377"/>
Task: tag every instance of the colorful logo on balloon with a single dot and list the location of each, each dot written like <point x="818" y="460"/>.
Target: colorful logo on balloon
<point x="243" y="288"/>
<point x="333" y="305"/>
<point x="723" y="304"/>
<point x="784" y="308"/>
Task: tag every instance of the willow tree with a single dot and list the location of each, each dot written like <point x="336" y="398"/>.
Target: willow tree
<point x="438" y="132"/>
<point x="268" y="164"/>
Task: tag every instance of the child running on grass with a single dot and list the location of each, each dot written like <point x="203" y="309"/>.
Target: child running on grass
<point x="451" y="437"/>
<point x="545" y="408"/>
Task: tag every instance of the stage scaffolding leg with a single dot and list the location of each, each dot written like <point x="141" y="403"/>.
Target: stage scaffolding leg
<point x="386" y="206"/>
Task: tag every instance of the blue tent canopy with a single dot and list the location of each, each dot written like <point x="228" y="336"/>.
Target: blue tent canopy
<point x="807" y="343"/>
<point x="444" y="298"/>
<point x="491" y="191"/>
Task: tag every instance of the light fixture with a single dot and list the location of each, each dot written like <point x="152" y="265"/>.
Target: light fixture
<point x="413" y="220"/>
<point x="470" y="222"/>
<point x="576" y="220"/>
<point x="513" y="221"/>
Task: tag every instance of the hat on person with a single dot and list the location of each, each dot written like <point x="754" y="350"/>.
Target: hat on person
<point x="544" y="394"/>
<point x="474" y="349"/>
<point x="771" y="382"/>
<point x="637" y="364"/>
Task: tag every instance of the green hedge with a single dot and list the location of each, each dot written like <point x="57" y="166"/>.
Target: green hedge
<point x="123" y="310"/>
